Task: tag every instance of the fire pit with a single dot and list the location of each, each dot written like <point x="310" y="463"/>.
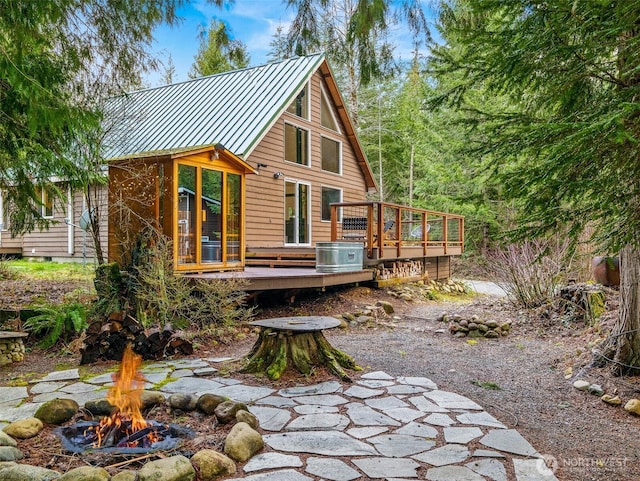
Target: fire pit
<point x="125" y="430"/>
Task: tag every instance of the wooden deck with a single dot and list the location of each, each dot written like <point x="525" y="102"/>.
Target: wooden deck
<point x="266" y="279"/>
<point x="392" y="231"/>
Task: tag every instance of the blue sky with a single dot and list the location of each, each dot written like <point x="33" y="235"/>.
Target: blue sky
<point x="252" y="21"/>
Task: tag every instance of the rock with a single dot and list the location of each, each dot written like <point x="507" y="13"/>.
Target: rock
<point x="633" y="406"/>
<point x="614" y="401"/>
<point x="460" y="334"/>
<point x="581" y="385"/>
<point x="243" y="416"/>
<point x="207" y="403"/>
<point x="463" y="323"/>
<point x="174" y="468"/>
<point x="26" y="472"/>
<point x="6" y="440"/>
<point x="86" y="473"/>
<point x="596" y="390"/>
<point x="100" y="407"/>
<point x="24" y="428"/>
<point x="491" y="334"/>
<point x="127" y="475"/>
<point x="150" y="399"/>
<point x="505" y="326"/>
<point x="386" y="306"/>
<point x="211" y="464"/>
<point x="9" y="453"/>
<point x="492" y="324"/>
<point x="483" y="328"/>
<point x="226" y="411"/>
<point x="475" y="333"/>
<point x="57" y="411"/>
<point x="242" y="442"/>
<point x="474" y="318"/>
<point x="183" y="402"/>
<point x="348" y="316"/>
<point x="472" y="325"/>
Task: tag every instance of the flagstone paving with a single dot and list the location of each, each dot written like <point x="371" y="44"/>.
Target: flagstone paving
<point x="379" y="427"/>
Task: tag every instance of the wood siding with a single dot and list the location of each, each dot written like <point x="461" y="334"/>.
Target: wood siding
<point x="54" y="242"/>
<point x="265" y="195"/>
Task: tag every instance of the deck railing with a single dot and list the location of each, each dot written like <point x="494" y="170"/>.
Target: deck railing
<point x="397" y="231"/>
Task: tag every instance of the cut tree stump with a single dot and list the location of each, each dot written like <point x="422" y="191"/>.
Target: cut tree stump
<point x="298" y="342"/>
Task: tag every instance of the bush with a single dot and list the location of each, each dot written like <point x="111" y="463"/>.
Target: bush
<point x="531" y="271"/>
<point x="57" y="322"/>
<point x="163" y="297"/>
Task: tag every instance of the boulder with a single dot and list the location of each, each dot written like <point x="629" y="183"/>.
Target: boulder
<point x="242" y="442"/>
<point x="26" y="472"/>
<point x="9" y="453"/>
<point x="150" y="399"/>
<point x="86" y="473"/>
<point x="581" y="385"/>
<point x="386" y="306"/>
<point x="174" y="468"/>
<point x="183" y="402"/>
<point x="24" y="428"/>
<point x="613" y="400"/>
<point x="127" y="475"/>
<point x="100" y="407"/>
<point x="207" y="403"/>
<point x="57" y="411"/>
<point x="211" y="464"/>
<point x="243" y="416"/>
<point x="226" y="411"/>
<point x="633" y="406"/>
<point x="6" y="440"/>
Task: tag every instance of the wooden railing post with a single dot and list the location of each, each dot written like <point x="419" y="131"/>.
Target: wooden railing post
<point x="334" y="223"/>
<point x="445" y="234"/>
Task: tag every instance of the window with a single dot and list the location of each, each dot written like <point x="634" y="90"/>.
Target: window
<point x="300" y="105"/>
<point x="331" y="155"/>
<point x="326" y="114"/>
<point x="296" y="144"/>
<point x="46" y="201"/>
<point x="329" y="196"/>
<point x="3" y="214"/>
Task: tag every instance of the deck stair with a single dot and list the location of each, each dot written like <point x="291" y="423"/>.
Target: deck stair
<point x="281" y="258"/>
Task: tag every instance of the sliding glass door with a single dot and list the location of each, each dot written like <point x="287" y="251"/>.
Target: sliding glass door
<point x="209" y="216"/>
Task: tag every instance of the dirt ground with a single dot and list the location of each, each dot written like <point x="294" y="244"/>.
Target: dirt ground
<point x="519" y="379"/>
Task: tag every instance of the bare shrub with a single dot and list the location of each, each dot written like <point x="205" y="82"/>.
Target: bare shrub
<point x="162" y="296"/>
<point x="531" y="271"/>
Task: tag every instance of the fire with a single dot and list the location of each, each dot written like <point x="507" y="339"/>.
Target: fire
<point x="125" y="396"/>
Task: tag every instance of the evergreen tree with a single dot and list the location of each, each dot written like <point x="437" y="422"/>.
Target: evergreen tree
<point x="565" y="144"/>
<point x="218" y="52"/>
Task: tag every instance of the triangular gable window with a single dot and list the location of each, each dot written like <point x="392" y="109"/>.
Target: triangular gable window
<point x="326" y="114"/>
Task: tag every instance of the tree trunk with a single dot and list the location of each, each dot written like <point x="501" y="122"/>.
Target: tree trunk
<point x="275" y="350"/>
<point x="623" y="345"/>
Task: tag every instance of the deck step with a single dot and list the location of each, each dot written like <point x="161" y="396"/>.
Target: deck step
<point x="280" y="259"/>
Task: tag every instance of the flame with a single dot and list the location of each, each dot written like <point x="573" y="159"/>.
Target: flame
<point x="125" y="396"/>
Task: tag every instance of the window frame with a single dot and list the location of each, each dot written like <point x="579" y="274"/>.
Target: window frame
<point x="325" y="100"/>
<point x="307" y="103"/>
<point x="322" y="191"/>
<point x="340" y="156"/>
<point x="307" y="151"/>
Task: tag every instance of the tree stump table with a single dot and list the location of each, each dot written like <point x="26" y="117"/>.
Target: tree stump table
<point x="299" y="341"/>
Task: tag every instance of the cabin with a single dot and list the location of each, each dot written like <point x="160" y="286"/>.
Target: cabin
<point x="261" y="168"/>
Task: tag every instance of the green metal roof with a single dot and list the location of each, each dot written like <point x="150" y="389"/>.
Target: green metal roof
<point x="234" y="109"/>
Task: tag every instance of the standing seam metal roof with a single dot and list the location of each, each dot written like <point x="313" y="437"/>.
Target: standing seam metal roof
<point x="232" y="108"/>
